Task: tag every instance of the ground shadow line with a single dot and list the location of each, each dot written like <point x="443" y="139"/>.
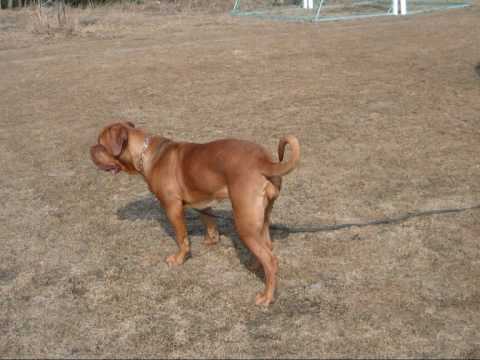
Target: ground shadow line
<point x="148" y="208"/>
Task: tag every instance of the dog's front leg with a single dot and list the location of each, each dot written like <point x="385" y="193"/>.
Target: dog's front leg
<point x="212" y="236"/>
<point x="176" y="216"/>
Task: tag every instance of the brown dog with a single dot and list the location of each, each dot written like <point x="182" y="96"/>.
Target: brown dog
<point x="182" y="174"/>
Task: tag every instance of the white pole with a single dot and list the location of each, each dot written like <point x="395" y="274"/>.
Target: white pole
<point x="308" y="4"/>
<point x="403" y="7"/>
<point x="395" y="7"/>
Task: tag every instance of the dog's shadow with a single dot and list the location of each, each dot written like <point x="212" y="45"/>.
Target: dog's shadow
<point x="148" y="208"/>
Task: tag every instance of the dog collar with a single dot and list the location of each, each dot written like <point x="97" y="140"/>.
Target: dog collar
<point x="146" y="142"/>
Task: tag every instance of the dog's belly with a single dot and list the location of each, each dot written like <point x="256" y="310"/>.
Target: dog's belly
<point x="217" y="197"/>
<point x="202" y="204"/>
<point x="208" y="201"/>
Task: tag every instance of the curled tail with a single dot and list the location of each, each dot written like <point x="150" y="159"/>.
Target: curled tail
<point x="283" y="168"/>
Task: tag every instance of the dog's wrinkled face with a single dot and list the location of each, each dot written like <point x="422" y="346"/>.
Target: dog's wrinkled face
<point x="109" y="154"/>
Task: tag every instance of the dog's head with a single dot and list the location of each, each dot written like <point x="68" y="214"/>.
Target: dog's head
<point x="110" y="154"/>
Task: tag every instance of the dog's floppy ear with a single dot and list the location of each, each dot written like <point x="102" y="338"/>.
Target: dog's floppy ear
<point x="118" y="136"/>
<point x="99" y="155"/>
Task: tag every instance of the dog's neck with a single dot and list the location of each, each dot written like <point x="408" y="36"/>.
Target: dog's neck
<point x="144" y="148"/>
<point x="146" y="143"/>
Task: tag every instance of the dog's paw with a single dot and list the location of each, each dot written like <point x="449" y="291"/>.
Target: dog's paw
<point x="263" y="299"/>
<point x="175" y="260"/>
<point x="211" y="239"/>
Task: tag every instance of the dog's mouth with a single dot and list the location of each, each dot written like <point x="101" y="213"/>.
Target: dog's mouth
<point x="114" y="170"/>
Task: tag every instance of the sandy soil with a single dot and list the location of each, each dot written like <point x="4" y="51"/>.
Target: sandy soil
<point x="387" y="113"/>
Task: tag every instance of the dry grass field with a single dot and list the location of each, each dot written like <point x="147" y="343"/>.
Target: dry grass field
<point x="387" y="112"/>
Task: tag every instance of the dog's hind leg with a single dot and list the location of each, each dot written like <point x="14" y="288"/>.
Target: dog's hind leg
<point x="249" y="209"/>
<point x="272" y="190"/>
